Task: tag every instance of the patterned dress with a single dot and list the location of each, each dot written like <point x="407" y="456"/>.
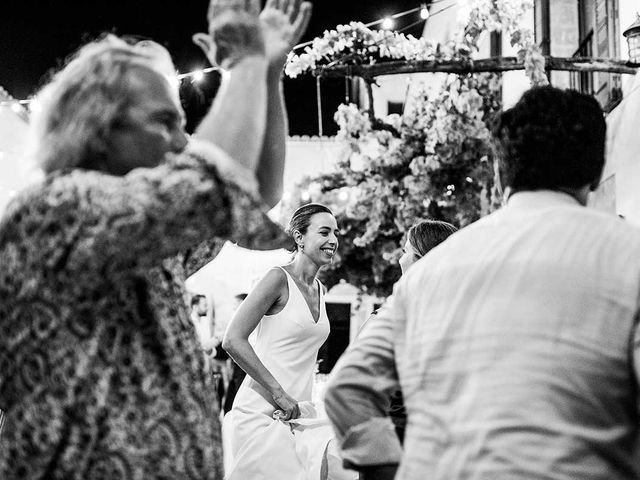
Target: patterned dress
<point x="100" y="372"/>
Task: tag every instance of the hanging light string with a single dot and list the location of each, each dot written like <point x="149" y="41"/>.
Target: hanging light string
<point x="198" y="75"/>
<point x="335" y="62"/>
<point x="428" y="15"/>
<point x="424" y="14"/>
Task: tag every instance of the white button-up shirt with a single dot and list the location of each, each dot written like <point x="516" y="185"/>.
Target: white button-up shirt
<point x="516" y="346"/>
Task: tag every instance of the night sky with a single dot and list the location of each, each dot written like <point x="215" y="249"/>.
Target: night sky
<point x="37" y="35"/>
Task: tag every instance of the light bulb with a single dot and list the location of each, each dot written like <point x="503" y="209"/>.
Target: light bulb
<point x="387" y="23"/>
<point x="34" y="105"/>
<point x="424" y="12"/>
<point x="198" y="76"/>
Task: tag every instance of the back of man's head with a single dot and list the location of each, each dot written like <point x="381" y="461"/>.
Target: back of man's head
<point x="551" y="139"/>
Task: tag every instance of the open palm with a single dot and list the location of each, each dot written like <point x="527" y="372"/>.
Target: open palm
<point x="283" y="24"/>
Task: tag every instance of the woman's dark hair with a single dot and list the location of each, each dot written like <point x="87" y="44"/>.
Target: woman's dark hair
<point x="427" y="234"/>
<point x="301" y="218"/>
<point x="551" y="138"/>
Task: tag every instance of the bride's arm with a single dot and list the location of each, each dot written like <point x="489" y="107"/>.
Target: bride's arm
<point x="236" y="339"/>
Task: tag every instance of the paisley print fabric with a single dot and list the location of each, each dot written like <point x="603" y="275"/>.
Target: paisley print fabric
<point x="100" y="372"/>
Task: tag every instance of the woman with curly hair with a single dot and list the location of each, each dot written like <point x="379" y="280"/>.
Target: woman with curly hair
<point x="101" y="373"/>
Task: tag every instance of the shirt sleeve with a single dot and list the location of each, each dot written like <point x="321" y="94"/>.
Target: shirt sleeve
<point x="251" y="227"/>
<point x="190" y="203"/>
<point x="358" y="395"/>
<point x="635" y="352"/>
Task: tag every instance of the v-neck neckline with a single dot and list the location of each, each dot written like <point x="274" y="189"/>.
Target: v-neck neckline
<point x="305" y="300"/>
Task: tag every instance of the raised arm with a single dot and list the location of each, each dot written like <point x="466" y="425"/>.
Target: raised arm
<point x="283" y="24"/>
<point x="236" y="340"/>
<point x="237" y="119"/>
<point x="280" y="25"/>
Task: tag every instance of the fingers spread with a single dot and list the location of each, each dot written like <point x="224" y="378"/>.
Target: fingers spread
<point x="301" y="22"/>
<point x="284" y="5"/>
<point x="203" y="41"/>
<point x="233" y="36"/>
<point x="293" y="9"/>
<point x="217" y="7"/>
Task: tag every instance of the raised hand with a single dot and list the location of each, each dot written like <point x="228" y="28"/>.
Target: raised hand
<point x="234" y="32"/>
<point x="287" y="404"/>
<point x="283" y="24"/>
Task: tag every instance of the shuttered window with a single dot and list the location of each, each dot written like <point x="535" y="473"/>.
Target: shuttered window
<point x="599" y="33"/>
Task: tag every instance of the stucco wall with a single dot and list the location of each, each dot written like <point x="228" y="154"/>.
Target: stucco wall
<point x="619" y="191"/>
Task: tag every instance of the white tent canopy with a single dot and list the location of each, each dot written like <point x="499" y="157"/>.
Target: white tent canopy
<point x="14" y="169"/>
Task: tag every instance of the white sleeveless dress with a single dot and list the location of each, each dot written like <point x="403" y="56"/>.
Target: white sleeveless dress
<point x="257" y="447"/>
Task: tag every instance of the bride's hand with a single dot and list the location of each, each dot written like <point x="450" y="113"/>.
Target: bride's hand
<point x="287" y="404"/>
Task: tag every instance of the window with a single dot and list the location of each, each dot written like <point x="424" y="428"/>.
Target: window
<point x="598" y="27"/>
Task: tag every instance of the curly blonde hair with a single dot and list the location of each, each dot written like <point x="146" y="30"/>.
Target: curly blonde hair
<point x="82" y="102"/>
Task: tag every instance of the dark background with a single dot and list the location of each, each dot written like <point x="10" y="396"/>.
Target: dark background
<point x="37" y="35"/>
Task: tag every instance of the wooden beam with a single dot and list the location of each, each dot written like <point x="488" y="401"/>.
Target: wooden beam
<point x="462" y="67"/>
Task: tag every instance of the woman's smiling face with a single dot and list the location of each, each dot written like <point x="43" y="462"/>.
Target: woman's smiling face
<point x="321" y="239"/>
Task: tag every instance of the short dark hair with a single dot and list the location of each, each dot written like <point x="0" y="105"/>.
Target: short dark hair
<point x="551" y="138"/>
<point x="301" y="218"/>
<point x="428" y="234"/>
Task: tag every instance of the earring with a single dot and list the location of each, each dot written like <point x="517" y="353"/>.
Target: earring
<point x="302" y="247"/>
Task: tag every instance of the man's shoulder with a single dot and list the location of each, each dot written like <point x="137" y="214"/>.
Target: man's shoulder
<point x="55" y="199"/>
<point x="608" y="224"/>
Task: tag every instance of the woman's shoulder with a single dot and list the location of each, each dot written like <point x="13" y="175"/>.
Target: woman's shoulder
<point x="274" y="288"/>
<point x="275" y="279"/>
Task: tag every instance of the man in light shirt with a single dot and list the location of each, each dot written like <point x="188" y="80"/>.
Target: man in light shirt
<point x="515" y="342"/>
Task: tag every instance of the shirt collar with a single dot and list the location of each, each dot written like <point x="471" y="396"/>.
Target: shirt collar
<point x="541" y="198"/>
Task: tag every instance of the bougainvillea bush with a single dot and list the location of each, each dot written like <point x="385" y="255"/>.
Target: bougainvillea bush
<point x="434" y="161"/>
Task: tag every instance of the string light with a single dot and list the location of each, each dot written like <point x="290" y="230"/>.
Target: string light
<point x="182" y="76"/>
<point x="15" y="105"/>
<point x="386" y="23"/>
<point x="424" y="14"/>
<point x="198" y="76"/>
<point x="424" y="11"/>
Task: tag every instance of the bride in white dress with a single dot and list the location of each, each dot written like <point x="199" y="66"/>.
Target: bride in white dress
<point x="274" y="431"/>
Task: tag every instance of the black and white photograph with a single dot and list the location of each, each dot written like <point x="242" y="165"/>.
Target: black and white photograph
<point x="320" y="240"/>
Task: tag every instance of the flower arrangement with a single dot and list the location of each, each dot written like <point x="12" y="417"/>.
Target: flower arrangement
<point x="509" y="17"/>
<point x="434" y="161"/>
<point x="355" y="44"/>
